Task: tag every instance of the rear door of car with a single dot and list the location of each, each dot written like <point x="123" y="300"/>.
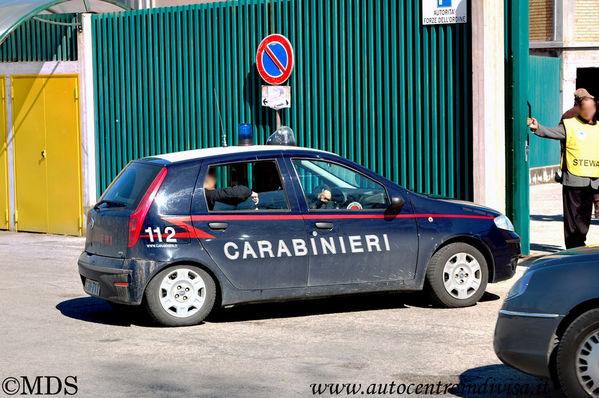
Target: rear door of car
<point x="353" y="237"/>
<point x="253" y="244"/>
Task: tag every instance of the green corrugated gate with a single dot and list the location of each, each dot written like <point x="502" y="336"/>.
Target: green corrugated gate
<point x="370" y="83"/>
<point x="36" y="40"/>
<point x="544" y="75"/>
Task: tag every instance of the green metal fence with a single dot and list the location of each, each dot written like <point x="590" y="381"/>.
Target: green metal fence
<point x="544" y="78"/>
<point x="35" y="40"/>
<point x="371" y="84"/>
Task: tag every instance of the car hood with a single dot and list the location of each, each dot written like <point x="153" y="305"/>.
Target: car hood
<point x="563" y="258"/>
<point x="462" y="205"/>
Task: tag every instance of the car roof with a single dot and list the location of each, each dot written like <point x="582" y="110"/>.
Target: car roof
<point x="182" y="156"/>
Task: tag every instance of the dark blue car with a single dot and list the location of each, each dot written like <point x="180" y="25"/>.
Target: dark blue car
<point x="183" y="232"/>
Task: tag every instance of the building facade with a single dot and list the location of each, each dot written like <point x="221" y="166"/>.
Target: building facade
<point x="569" y="30"/>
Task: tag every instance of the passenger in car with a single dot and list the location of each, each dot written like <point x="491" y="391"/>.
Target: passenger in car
<point x="230" y="195"/>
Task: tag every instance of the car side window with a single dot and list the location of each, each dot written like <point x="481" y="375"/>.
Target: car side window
<point x="329" y="185"/>
<point x="244" y="186"/>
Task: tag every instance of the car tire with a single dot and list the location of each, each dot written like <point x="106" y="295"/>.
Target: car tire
<point x="457" y="275"/>
<point x="577" y="377"/>
<point x="182" y="295"/>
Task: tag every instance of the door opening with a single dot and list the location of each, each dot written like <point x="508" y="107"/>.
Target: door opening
<point x="588" y="78"/>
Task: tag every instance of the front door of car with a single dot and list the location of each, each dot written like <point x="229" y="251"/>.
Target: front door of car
<point x="353" y="236"/>
<point x="251" y="242"/>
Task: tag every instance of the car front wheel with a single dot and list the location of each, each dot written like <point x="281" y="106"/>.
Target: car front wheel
<point x="180" y="296"/>
<point x="457" y="275"/>
<point x="578" y="357"/>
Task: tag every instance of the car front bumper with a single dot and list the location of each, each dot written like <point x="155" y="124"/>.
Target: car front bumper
<point x="525" y="340"/>
<point x="505" y="248"/>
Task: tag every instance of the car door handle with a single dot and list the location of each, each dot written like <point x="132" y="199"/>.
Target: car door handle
<point x="324" y="225"/>
<point x="218" y="225"/>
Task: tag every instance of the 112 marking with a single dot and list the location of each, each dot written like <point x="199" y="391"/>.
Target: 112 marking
<point x="168" y="231"/>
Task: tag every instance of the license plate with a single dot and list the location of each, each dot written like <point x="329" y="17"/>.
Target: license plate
<point x="92" y="287"/>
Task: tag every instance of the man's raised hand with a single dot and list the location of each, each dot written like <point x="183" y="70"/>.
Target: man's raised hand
<point x="532" y="123"/>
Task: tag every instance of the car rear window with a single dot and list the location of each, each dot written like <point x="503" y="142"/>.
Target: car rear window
<point x="131" y="184"/>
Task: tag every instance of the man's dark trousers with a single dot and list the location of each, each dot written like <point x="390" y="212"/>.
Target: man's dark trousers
<point x="578" y="206"/>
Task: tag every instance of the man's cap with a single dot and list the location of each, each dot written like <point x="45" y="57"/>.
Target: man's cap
<point x="582" y="93"/>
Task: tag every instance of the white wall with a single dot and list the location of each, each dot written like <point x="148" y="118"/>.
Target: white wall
<point x="574" y="54"/>
<point x="572" y="59"/>
<point x="488" y="113"/>
<point x="88" y="125"/>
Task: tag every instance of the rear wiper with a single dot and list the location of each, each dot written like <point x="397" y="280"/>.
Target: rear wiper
<point x="109" y="203"/>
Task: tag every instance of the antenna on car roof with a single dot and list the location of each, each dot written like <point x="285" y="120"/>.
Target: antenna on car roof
<point x="222" y="127"/>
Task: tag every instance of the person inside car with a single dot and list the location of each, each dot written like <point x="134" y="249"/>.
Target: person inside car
<point x="321" y="198"/>
<point x="230" y="195"/>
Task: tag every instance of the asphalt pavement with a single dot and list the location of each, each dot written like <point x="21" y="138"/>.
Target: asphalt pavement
<point x="50" y="327"/>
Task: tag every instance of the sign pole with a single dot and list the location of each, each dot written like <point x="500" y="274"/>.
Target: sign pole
<point x="278" y="118"/>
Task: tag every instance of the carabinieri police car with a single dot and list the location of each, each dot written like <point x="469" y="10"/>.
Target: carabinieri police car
<point x="184" y="232"/>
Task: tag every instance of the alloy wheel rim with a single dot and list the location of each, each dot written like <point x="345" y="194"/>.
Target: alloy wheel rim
<point x="182" y="292"/>
<point x="587" y="364"/>
<point x="462" y="276"/>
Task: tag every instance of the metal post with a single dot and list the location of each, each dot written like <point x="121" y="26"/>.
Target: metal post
<point x="271" y="15"/>
<point x="518" y="195"/>
<point x="278" y="118"/>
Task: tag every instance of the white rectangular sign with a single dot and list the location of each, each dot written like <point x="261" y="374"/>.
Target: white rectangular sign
<point x="276" y="97"/>
<point x="440" y="12"/>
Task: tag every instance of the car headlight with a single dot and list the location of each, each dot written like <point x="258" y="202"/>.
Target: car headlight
<point x="502" y="222"/>
<point x="520" y="286"/>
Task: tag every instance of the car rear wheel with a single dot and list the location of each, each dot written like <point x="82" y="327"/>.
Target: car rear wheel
<point x="578" y="357"/>
<point x="180" y="296"/>
<point x="457" y="275"/>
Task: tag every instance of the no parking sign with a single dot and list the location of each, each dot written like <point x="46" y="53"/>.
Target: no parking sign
<point x="274" y="59"/>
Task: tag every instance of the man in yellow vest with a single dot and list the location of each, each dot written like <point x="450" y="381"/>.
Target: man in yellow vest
<point x="580" y="166"/>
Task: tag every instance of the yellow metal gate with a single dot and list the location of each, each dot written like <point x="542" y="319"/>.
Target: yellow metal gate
<point x="4" y="201"/>
<point x="48" y="196"/>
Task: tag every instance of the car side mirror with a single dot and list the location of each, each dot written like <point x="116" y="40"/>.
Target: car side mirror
<point x="397" y="203"/>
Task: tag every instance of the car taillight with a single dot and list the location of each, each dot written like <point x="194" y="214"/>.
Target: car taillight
<point x="136" y="220"/>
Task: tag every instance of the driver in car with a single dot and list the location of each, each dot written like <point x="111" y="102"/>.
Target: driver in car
<point x="230" y="195"/>
<point x="321" y="198"/>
